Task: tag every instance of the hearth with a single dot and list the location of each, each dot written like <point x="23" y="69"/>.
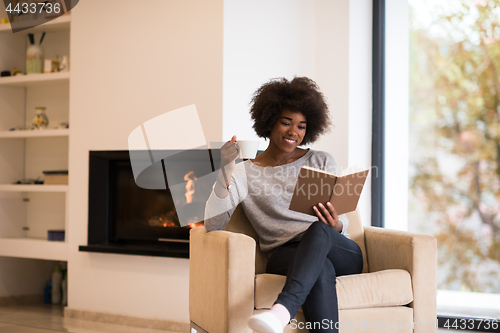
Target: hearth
<point x="154" y="217"/>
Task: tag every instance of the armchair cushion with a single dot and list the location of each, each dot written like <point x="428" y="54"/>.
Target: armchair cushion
<point x="390" y="287"/>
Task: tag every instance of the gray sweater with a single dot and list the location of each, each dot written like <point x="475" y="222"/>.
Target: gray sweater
<point x="265" y="194"/>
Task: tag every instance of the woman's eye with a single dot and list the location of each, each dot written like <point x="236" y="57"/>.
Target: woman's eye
<point x="288" y="124"/>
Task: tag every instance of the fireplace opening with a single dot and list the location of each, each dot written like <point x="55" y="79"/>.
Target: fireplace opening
<point x="127" y="218"/>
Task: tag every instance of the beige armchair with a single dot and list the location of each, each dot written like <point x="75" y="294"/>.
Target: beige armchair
<point x="395" y="293"/>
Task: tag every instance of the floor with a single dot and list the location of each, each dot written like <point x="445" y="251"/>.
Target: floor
<point x="49" y="319"/>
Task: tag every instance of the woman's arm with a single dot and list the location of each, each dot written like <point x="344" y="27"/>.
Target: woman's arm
<point x="219" y="208"/>
<point x="228" y="190"/>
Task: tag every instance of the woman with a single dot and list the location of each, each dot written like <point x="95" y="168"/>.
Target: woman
<point x="310" y="251"/>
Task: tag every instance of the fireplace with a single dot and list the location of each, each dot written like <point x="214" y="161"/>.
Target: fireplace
<point x="148" y="210"/>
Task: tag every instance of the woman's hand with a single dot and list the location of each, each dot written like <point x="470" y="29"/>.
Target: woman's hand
<point x="328" y="215"/>
<point x="228" y="153"/>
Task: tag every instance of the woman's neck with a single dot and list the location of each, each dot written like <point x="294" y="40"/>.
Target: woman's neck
<point x="274" y="156"/>
<point x="279" y="156"/>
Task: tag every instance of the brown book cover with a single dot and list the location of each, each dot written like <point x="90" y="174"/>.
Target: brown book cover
<point x="56" y="180"/>
<point x="59" y="177"/>
<point x="314" y="186"/>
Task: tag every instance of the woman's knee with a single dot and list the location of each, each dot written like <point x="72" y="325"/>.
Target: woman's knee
<point x="322" y="229"/>
<point x="318" y="227"/>
<point x="316" y="233"/>
<point x="327" y="277"/>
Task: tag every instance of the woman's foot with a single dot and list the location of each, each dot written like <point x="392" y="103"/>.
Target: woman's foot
<point x="273" y="321"/>
<point x="265" y="322"/>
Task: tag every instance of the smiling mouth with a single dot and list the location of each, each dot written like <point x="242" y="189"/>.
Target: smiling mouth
<point x="290" y="141"/>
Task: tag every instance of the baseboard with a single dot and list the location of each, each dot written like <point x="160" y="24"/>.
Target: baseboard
<point x="21" y="300"/>
<point x="109" y="318"/>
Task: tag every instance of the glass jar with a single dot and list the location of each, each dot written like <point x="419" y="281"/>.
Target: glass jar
<point x="40" y="121"/>
<point x="34" y="59"/>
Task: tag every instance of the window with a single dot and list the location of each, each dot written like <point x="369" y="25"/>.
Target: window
<point x="454" y="147"/>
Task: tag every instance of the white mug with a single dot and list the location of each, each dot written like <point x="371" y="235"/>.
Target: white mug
<point x="248" y="148"/>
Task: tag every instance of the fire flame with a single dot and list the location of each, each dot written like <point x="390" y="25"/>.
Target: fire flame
<point x="169" y="219"/>
<point x="166" y="222"/>
<point x="189" y="186"/>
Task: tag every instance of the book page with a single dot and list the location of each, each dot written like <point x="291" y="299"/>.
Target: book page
<point x="347" y="191"/>
<point x="351" y="169"/>
<point x="319" y="170"/>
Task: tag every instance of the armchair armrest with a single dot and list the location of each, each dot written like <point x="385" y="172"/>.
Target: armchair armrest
<point x="416" y="253"/>
<point x="221" y="280"/>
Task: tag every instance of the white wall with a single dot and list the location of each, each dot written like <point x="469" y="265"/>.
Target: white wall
<point x="129" y="64"/>
<point x="397" y="59"/>
<point x="262" y="40"/>
<point x="332" y="73"/>
<point x="343" y="71"/>
<point x="360" y="96"/>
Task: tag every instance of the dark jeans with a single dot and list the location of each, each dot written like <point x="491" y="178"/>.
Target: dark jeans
<point x="311" y="266"/>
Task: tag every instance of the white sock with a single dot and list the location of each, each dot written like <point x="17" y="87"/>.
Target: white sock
<point x="265" y="322"/>
<point x="282" y="313"/>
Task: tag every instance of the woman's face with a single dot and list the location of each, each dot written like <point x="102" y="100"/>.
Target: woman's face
<point x="289" y="131"/>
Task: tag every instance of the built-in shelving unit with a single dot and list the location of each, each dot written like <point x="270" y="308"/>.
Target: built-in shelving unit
<point x="58" y="24"/>
<point x="33" y="248"/>
<point x="34" y="79"/>
<point x="34" y="133"/>
<point x="33" y="188"/>
<point x="29" y="211"/>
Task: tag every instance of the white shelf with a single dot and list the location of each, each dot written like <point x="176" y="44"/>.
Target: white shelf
<point x="59" y="24"/>
<point x="33" y="188"/>
<point x="34" y="79"/>
<point x="33" y="248"/>
<point x="34" y="133"/>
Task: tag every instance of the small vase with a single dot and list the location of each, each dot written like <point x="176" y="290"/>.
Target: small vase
<point x="40" y="121"/>
<point x="64" y="65"/>
<point x="34" y="59"/>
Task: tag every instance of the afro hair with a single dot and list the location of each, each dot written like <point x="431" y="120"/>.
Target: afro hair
<point x="298" y="95"/>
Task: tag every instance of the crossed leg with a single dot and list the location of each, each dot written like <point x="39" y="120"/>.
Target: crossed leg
<point x="311" y="267"/>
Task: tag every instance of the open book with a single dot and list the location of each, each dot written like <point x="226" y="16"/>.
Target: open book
<point x="314" y="186"/>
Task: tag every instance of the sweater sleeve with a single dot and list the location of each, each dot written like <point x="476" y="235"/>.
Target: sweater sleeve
<point x="218" y="211"/>
<point x="332" y="166"/>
